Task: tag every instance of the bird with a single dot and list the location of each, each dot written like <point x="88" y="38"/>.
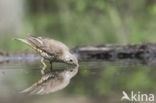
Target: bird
<point x="51" y="50"/>
<point x="52" y="81"/>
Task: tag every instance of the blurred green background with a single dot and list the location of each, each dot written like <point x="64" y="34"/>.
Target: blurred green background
<point x="82" y="22"/>
<point x="78" y="22"/>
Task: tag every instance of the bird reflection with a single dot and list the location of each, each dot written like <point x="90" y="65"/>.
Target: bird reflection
<point x="52" y="82"/>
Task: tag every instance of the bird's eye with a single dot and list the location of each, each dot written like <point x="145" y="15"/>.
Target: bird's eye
<point x="71" y="70"/>
<point x="71" y="60"/>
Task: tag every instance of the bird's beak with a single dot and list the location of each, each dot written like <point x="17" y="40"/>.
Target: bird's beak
<point x="76" y="63"/>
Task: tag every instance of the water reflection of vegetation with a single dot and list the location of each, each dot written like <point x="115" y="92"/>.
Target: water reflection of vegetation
<point x="95" y="81"/>
<point x="107" y="79"/>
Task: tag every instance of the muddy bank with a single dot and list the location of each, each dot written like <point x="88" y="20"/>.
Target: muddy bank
<point x="142" y="53"/>
<point x="139" y="53"/>
<point x="22" y="56"/>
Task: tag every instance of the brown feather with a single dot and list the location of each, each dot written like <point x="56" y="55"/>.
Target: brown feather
<point x="49" y="46"/>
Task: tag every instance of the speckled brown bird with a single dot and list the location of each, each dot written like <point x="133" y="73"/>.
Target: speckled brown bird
<point x="50" y="49"/>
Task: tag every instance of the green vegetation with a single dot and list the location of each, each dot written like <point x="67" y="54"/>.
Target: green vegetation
<point x="85" y="22"/>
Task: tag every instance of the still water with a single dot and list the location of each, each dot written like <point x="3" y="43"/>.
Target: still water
<point x="92" y="82"/>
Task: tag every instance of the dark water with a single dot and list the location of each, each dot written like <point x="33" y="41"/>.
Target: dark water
<point x="95" y="82"/>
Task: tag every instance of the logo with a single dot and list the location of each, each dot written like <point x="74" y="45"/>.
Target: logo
<point x="140" y="97"/>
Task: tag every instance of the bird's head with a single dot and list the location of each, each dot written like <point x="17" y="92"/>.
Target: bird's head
<point x="71" y="72"/>
<point x="70" y="59"/>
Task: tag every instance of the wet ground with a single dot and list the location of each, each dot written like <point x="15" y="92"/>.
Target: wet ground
<point x="95" y="82"/>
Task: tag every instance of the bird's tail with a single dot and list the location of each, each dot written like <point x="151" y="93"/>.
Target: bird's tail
<point x="25" y="41"/>
<point x="37" y="87"/>
<point x="31" y="90"/>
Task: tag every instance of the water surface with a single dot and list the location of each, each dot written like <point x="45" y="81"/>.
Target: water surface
<point x="95" y="82"/>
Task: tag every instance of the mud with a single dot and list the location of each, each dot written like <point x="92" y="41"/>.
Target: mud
<point x="143" y="53"/>
<point x="139" y="53"/>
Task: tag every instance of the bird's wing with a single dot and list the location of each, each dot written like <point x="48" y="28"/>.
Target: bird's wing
<point x="50" y="46"/>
